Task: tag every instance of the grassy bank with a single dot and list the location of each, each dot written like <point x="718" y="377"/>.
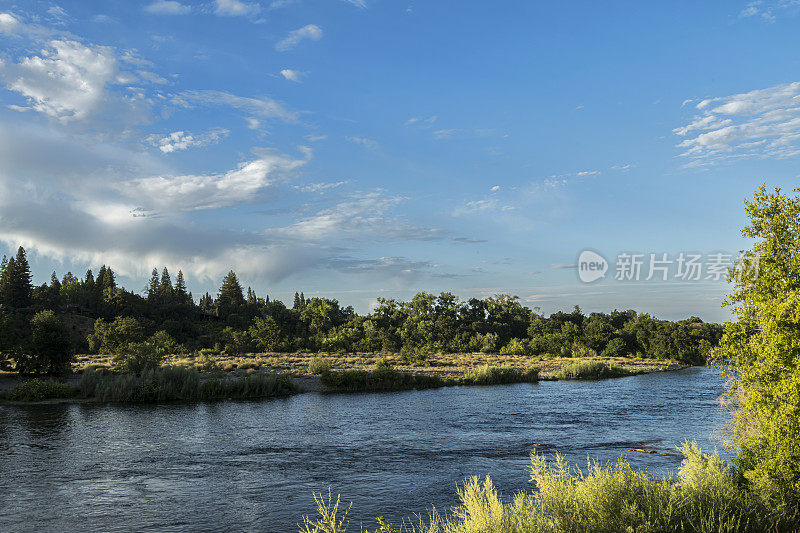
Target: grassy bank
<point x="154" y="385"/>
<point x="706" y="496"/>
<point x="446" y="366"/>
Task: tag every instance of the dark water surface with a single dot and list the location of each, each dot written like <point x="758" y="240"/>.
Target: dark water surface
<point x="252" y="466"/>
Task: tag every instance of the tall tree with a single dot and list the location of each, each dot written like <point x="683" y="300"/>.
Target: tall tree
<point x="762" y="348"/>
<point x="181" y="295"/>
<point x="16" y="283"/>
<point x="153" y="288"/>
<point x="165" y="286"/>
<point x="231" y="299"/>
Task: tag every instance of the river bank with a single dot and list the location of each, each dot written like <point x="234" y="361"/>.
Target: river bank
<point x="343" y="377"/>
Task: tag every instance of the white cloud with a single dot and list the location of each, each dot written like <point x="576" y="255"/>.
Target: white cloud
<point x="182" y="140"/>
<point x="293" y="75"/>
<point x="264" y="107"/>
<point x="364" y="141"/>
<point x="362" y="216"/>
<point x="315" y="138"/>
<point x="319" y="187"/>
<point x="235" y="8"/>
<point x="176" y="193"/>
<point x="444" y="134"/>
<point x="311" y="32"/>
<point x="167" y="7"/>
<point x="253" y="123"/>
<point x="764" y="123"/>
<point x="495" y="188"/>
<point x="358" y="3"/>
<point x="8" y="23"/>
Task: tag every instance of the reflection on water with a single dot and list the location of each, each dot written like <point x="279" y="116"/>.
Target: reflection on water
<point x="253" y="465"/>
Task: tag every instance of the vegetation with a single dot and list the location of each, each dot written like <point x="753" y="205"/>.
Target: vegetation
<point x="383" y="377"/>
<point x="41" y="327"/>
<point x="592" y="370"/>
<point x="37" y="390"/>
<point x="706" y="496"/>
<point x="177" y="383"/>
<point x="493" y="375"/>
<point x="761" y="350"/>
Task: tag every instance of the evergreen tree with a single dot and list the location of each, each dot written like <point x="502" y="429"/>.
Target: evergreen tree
<point x="153" y="288"/>
<point x="18" y="287"/>
<point x="302" y="300"/>
<point x="181" y="295"/>
<point x="165" y="287"/>
<point x="231" y="299"/>
<point x="297" y="305"/>
<point x="206" y="304"/>
<point x="251" y="297"/>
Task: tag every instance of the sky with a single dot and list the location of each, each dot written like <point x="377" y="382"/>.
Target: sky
<point x="357" y="149"/>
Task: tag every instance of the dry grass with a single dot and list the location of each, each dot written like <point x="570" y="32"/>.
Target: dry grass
<point x="446" y="366"/>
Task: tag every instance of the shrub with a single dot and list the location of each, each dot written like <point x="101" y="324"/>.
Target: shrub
<point x="516" y="347"/>
<point x="146" y="355"/>
<point x="616" y="348"/>
<point x="493" y="375"/>
<point x="319" y="365"/>
<point x="592" y="370"/>
<point x="36" y="390"/>
<point x="489" y="344"/>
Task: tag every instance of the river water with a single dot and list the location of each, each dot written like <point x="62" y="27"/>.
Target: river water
<point x="253" y="466"/>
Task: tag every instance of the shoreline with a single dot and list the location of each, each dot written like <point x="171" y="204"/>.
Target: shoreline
<point x="309" y="383"/>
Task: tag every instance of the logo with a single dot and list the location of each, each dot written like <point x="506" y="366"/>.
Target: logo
<point x="591" y="266"/>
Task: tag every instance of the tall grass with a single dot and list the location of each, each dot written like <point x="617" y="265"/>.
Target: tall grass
<point x="383" y="377"/>
<point x="179" y="383"/>
<point x="494" y="375"/>
<point x="592" y="370"/>
<point x="707" y="496"/>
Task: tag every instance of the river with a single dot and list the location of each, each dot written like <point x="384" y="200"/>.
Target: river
<point x="252" y="466"/>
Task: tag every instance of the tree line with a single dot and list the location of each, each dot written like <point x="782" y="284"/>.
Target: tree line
<point x="41" y="326"/>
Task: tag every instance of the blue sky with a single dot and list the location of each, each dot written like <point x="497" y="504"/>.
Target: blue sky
<point x="356" y="149"/>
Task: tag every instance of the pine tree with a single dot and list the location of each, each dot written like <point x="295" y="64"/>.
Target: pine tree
<point x="251" y="297"/>
<point x="54" y="283"/>
<point x="302" y="300"/>
<point x="181" y="296"/>
<point x="207" y="304"/>
<point x="152" y="288"/>
<point x="230" y="298"/>
<point x="19" y="288"/>
<point x="297" y="305"/>
<point x="165" y="288"/>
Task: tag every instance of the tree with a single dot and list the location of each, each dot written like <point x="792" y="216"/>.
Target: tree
<point x="165" y="287"/>
<point x="153" y="292"/>
<point x="231" y="299"/>
<point x="762" y="347"/>
<point x="50" y="350"/>
<point x="15" y="282"/>
<point x="181" y="294"/>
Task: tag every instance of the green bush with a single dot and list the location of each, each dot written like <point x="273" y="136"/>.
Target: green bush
<point x="150" y="354"/>
<point x="319" y="365"/>
<point x="516" y="347"/>
<point x="592" y="370"/>
<point x="493" y="375"/>
<point x="36" y="390"/>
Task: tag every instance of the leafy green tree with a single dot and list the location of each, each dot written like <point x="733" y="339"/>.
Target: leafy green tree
<point x="50" y="348"/>
<point x="114" y="337"/>
<point x="762" y="347"/>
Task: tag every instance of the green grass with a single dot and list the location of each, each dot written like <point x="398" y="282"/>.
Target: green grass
<point x="494" y="375"/>
<point x="37" y="390"/>
<point x="178" y="383"/>
<point x="592" y="370"/>
<point x="707" y="496"/>
<point x="381" y="378"/>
